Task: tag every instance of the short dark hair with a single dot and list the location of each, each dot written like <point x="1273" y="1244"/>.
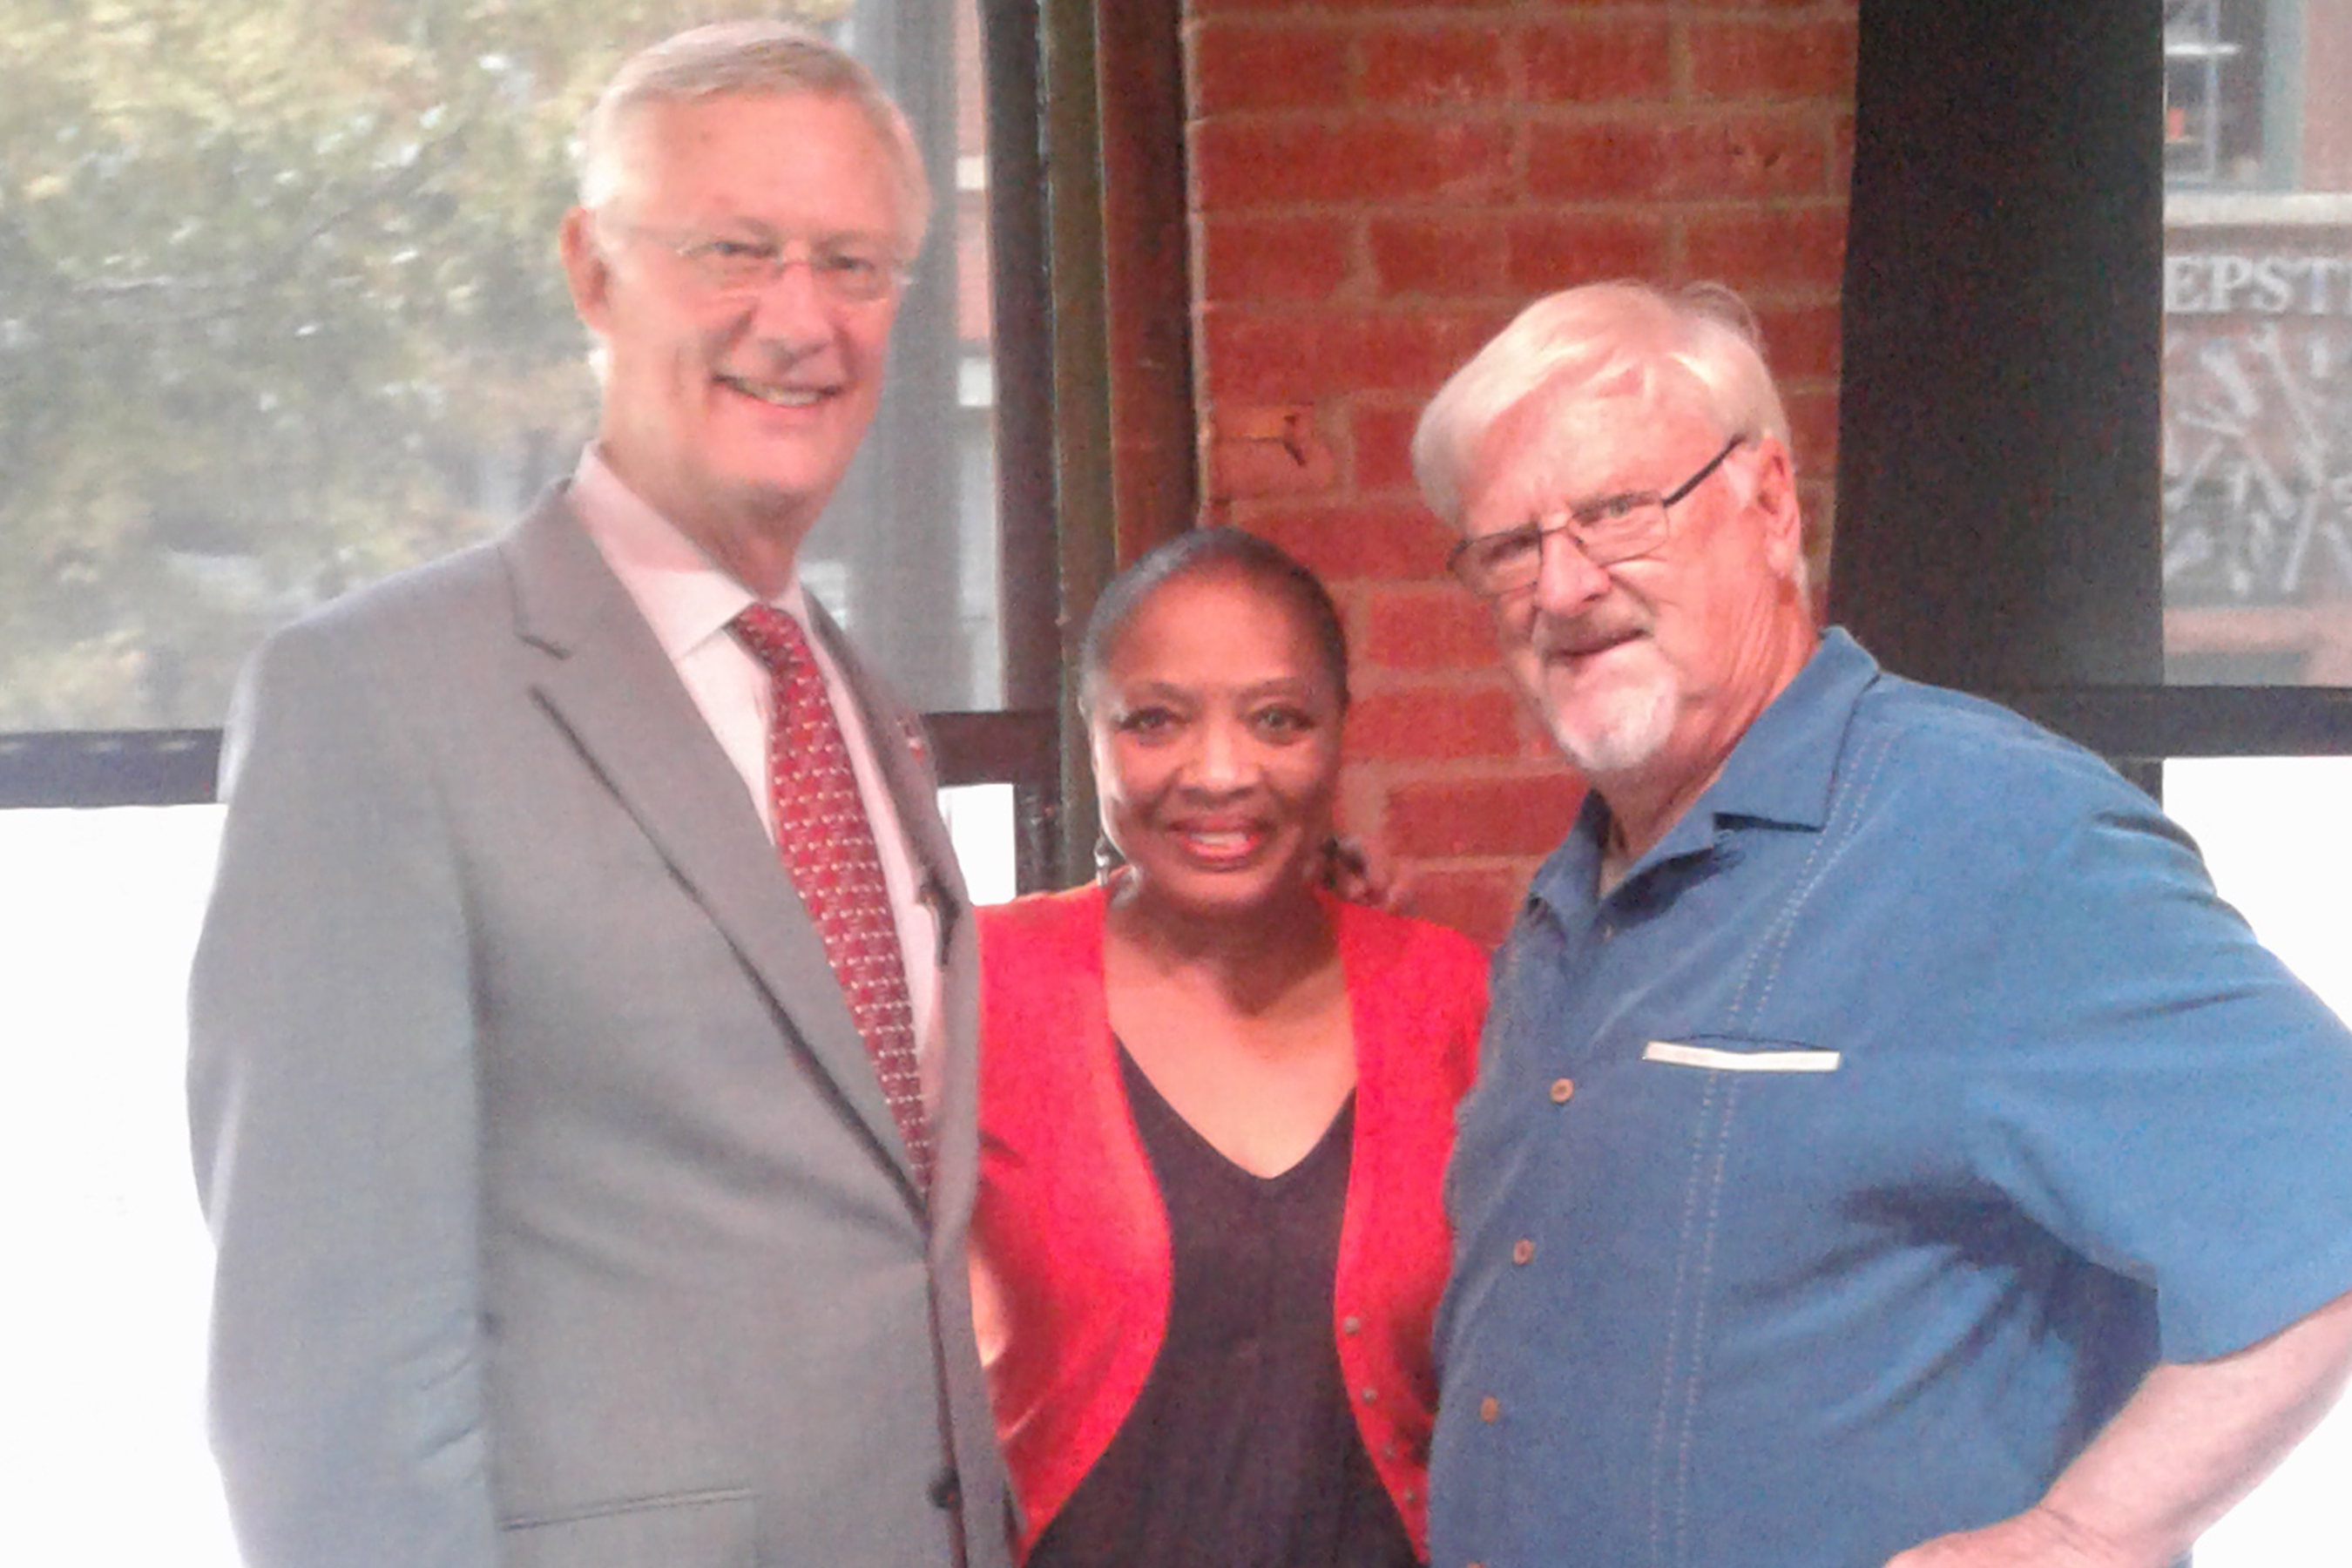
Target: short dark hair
<point x="1211" y="551"/>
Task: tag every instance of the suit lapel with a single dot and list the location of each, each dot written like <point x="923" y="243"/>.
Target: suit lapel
<point x="607" y="682"/>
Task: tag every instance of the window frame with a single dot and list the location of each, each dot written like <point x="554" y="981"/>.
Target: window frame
<point x="1999" y="483"/>
<point x="1019" y="744"/>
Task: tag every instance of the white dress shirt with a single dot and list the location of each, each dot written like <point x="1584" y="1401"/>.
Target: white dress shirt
<point x="688" y="600"/>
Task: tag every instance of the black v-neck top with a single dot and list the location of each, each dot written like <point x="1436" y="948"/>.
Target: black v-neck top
<point x="1241" y="1451"/>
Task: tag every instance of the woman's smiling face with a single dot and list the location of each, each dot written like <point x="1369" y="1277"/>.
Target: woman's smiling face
<point x="1214" y="721"/>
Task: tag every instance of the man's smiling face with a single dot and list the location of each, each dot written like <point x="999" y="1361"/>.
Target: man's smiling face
<point x="1648" y="672"/>
<point x="737" y="411"/>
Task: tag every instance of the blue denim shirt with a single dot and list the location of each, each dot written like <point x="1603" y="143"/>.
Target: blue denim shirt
<point x="1831" y="1180"/>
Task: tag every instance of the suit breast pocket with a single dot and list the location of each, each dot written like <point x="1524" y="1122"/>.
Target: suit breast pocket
<point x="681" y="1530"/>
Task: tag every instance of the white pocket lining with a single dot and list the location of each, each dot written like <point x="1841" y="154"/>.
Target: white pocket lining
<point x="1681" y="1055"/>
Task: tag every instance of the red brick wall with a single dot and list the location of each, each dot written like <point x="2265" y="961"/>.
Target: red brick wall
<point x="1377" y="187"/>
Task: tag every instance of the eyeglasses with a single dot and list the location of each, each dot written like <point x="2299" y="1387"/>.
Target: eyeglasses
<point x="1613" y="529"/>
<point x="848" y="271"/>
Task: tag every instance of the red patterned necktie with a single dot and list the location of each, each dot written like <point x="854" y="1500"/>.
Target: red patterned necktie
<point x="827" y="848"/>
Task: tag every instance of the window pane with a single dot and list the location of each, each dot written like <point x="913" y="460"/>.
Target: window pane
<point x="102" y="1339"/>
<point x="279" y="314"/>
<point x="2274" y="837"/>
<point x="2258" y="342"/>
<point x="982" y="823"/>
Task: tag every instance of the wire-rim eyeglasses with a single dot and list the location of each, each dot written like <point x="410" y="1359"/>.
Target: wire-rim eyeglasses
<point x="1609" y="531"/>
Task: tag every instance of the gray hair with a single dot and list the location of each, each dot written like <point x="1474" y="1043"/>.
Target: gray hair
<point x="749" y="58"/>
<point x="1612" y="337"/>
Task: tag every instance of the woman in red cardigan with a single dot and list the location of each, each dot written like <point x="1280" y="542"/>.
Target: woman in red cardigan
<point x="1215" y="1107"/>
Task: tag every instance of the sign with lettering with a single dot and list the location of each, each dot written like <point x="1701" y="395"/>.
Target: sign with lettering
<point x="2258" y="418"/>
<point x="2235" y="282"/>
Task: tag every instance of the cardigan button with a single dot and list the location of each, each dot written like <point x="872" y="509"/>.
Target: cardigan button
<point x="1523" y="1251"/>
<point x="1371" y="1395"/>
<point x="1490" y="1410"/>
<point x="1562" y="1089"/>
<point x="1351" y="1324"/>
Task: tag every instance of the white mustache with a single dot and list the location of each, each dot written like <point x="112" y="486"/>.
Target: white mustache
<point x="1573" y="639"/>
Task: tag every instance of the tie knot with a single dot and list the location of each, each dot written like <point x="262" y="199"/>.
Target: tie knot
<point x="773" y="638"/>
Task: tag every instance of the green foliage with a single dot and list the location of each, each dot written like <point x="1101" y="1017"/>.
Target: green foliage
<point x="279" y="312"/>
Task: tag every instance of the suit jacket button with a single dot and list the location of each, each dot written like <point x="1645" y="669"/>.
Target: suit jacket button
<point x="946" y="1490"/>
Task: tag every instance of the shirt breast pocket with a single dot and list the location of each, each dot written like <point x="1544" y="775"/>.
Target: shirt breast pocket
<point x="1726" y="1102"/>
<point x="1737" y="1150"/>
<point x="1744" y="1118"/>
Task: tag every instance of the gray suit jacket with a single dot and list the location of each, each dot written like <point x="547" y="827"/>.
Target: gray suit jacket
<point x="560" y="1220"/>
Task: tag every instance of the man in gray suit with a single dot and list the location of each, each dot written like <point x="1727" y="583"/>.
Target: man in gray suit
<point x="589" y="1181"/>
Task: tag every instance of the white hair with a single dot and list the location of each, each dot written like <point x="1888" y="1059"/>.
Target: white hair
<point x="748" y="58"/>
<point x="1621" y="337"/>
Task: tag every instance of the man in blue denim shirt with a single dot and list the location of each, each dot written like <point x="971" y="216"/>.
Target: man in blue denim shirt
<point x="1886" y="1147"/>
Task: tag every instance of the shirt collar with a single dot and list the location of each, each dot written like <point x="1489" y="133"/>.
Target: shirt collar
<point x="685" y="597"/>
<point x="1785" y="767"/>
<point x="1782" y="771"/>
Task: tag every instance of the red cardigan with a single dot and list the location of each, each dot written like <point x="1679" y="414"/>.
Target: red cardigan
<point x="1070" y="1249"/>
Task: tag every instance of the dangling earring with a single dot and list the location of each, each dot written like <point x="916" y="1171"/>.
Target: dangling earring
<point x="1347" y="873"/>
<point x="1108" y="858"/>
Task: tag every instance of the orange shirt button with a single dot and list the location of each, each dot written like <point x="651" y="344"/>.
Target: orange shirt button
<point x="1351" y="1324"/>
<point x="1561" y="1090"/>
<point x="1372" y="1396"/>
<point x="1522" y="1250"/>
<point x="1490" y="1409"/>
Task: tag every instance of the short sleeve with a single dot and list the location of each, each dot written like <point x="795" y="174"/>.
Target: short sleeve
<point x="2164" y="1097"/>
